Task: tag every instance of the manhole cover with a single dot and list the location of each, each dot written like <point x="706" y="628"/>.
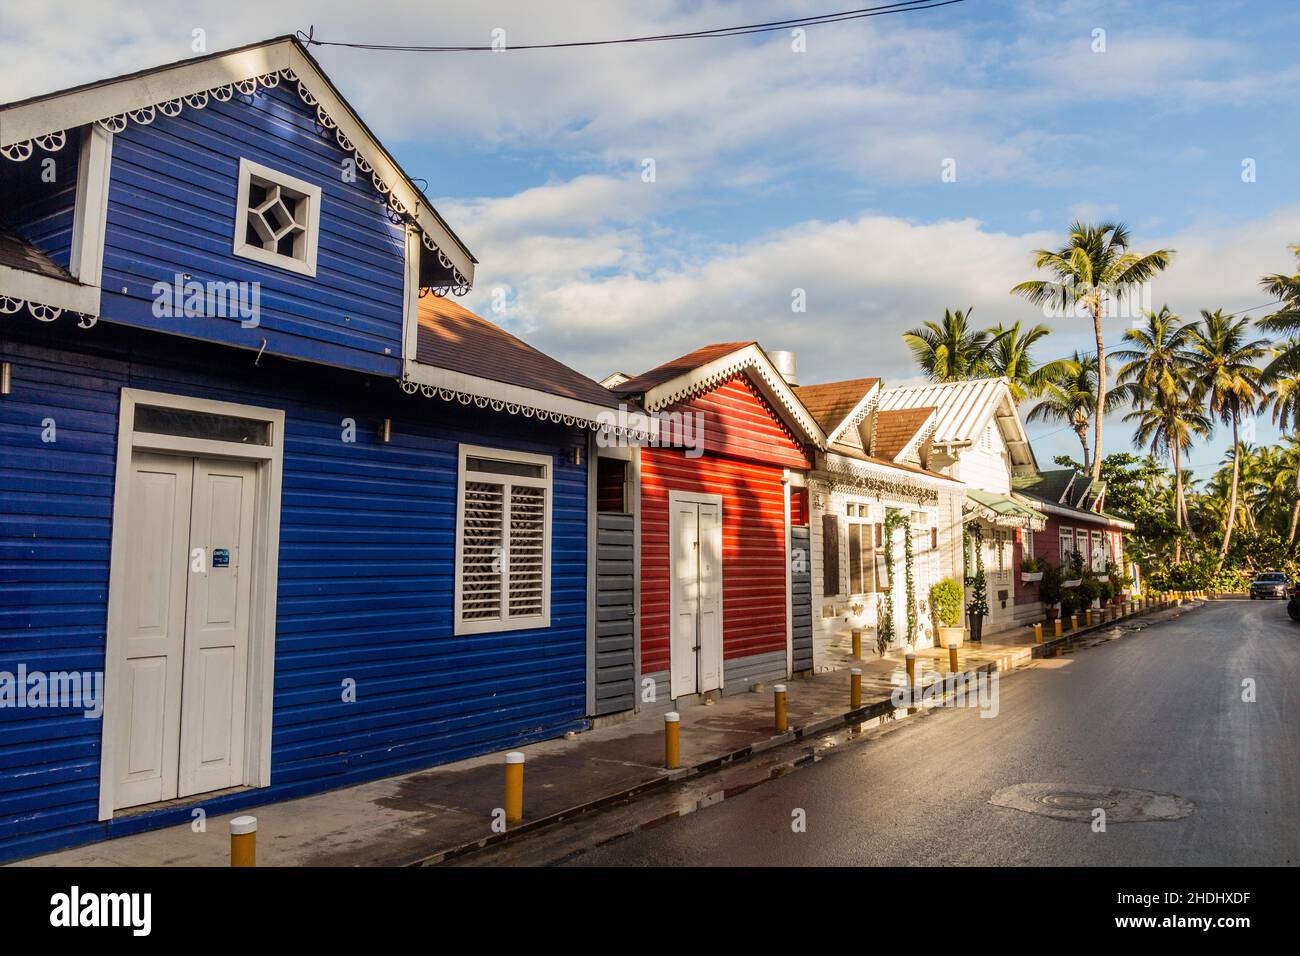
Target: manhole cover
<point x="1077" y="802"/>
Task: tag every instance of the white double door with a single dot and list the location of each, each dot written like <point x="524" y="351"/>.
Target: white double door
<point x="184" y="631"/>
<point x="695" y="532"/>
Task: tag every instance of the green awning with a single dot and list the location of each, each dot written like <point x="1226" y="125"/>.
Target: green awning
<point x="1003" y="507"/>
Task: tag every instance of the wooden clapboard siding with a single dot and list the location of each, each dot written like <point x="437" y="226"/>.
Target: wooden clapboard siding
<point x="172" y="204"/>
<point x="745" y="456"/>
<point x="365" y="577"/>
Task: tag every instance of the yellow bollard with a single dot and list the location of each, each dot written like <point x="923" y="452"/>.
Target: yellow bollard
<point x="855" y="688"/>
<point x="1056" y="628"/>
<point x="1087" y="617"/>
<point x="910" y="659"/>
<point x="953" y="664"/>
<point x="1074" y="623"/>
<point x="1038" y="633"/>
<point x="778" y="695"/>
<point x="672" y="740"/>
<point x="514" y="787"/>
<point x="243" y="841"/>
<point x="857" y="643"/>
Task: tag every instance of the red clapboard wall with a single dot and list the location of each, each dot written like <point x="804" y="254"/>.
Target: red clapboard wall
<point x="745" y="454"/>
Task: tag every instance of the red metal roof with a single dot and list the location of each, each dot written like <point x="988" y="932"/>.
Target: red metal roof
<point x="894" y="429"/>
<point x="831" y="403"/>
<point x="453" y="338"/>
<point x="679" y="366"/>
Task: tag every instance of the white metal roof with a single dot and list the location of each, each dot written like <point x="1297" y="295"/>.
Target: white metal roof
<point x="964" y="410"/>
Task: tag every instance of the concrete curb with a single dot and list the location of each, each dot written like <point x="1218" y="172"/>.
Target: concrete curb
<point x="868" y="711"/>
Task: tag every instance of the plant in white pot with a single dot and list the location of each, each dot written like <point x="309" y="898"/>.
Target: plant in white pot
<point x="946" y="602"/>
<point x="1030" y="570"/>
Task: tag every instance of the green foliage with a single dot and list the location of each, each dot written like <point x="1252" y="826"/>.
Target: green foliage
<point x="1069" y="603"/>
<point x="1090" y="589"/>
<point x="1049" y="589"/>
<point x="946" y="598"/>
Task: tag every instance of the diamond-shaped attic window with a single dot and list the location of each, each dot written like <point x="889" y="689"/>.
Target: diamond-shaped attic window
<point x="278" y="218"/>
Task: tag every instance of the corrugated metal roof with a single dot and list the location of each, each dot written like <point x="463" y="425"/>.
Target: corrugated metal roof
<point x="964" y="407"/>
<point x="454" y="338"/>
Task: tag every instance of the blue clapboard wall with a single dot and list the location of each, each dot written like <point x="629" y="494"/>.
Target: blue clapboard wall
<point x="365" y="582"/>
<point x="171" y="210"/>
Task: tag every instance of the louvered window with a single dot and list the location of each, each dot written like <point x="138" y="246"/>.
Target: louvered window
<point x="503" y="541"/>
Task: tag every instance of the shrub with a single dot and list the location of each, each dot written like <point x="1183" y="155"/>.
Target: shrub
<point x="1069" y="603"/>
<point x="946" y="598"/>
<point x="1090" y="589"/>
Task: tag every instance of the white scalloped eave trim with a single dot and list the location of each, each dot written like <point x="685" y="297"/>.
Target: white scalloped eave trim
<point x="54" y="141"/>
<point x="725" y="374"/>
<point x="514" y="408"/>
<point x="849" y="478"/>
<point x="42" y="312"/>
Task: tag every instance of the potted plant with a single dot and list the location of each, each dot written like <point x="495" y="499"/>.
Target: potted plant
<point x="1069" y="606"/>
<point x="1089" y="590"/>
<point x="1030" y="570"/>
<point x="945" y="601"/>
<point x="1049" y="590"/>
<point x="978" y="607"/>
<point x="1074" y="576"/>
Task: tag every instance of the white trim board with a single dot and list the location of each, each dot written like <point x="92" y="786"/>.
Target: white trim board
<point x="266" y="564"/>
<point x="80" y="106"/>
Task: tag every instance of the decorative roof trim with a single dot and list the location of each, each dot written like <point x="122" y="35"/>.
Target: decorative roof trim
<point x="45" y="312"/>
<point x="975" y="509"/>
<point x="709" y="376"/>
<point x="852" y="472"/>
<point x="114" y="104"/>
<point x="865" y="406"/>
<point x="431" y="381"/>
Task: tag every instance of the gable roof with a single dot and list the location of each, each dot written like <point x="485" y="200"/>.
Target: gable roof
<point x="896" y="430"/>
<point x="453" y="338"/>
<point x="833" y="402"/>
<point x="679" y="366"/>
<point x="965" y="409"/>
<point x="41" y="123"/>
<point x="460" y="356"/>
<point x="1048" y="485"/>
<point x="704" y="369"/>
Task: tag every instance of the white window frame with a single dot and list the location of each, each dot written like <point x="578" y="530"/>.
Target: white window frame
<point x="245" y="249"/>
<point x="1065" y="545"/>
<point x="463" y="474"/>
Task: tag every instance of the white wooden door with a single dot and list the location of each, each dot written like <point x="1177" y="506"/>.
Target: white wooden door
<point x="214" y="693"/>
<point x="709" y="608"/>
<point x="695" y="531"/>
<point x="180" y="703"/>
<point x="152" y="630"/>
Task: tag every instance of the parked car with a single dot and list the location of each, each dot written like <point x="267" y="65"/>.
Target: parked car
<point x="1271" y="584"/>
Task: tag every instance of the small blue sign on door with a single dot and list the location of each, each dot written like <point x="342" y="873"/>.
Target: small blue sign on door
<point x="220" y="558"/>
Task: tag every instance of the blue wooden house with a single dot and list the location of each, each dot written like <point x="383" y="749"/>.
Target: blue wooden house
<point x="276" y="514"/>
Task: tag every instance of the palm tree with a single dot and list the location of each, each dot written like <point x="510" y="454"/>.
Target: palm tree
<point x="1070" y="397"/>
<point x="1167" y="424"/>
<point x="1008" y="356"/>
<point x="1288" y="476"/>
<point x="950" y="350"/>
<point x="1094" y="267"/>
<point x="1156" y="356"/>
<point x="1285" y="321"/>
<point x="1283" y="396"/>
<point x="1223" y="358"/>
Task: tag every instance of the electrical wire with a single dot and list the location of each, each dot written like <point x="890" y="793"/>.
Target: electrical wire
<point x="904" y="6"/>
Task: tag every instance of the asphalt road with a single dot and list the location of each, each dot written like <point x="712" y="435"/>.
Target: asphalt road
<point x="1158" y="710"/>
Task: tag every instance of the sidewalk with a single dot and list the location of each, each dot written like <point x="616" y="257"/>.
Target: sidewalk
<point x="445" y="811"/>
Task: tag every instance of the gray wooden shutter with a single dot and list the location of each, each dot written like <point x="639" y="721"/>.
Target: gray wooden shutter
<point x="830" y="555"/>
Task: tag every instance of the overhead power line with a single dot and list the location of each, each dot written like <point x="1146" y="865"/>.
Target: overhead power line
<point x="906" y="6"/>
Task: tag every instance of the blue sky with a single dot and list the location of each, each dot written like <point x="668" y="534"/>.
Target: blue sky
<point x="778" y="170"/>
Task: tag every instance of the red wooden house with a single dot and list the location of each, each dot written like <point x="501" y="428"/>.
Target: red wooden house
<point x="722" y="605"/>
